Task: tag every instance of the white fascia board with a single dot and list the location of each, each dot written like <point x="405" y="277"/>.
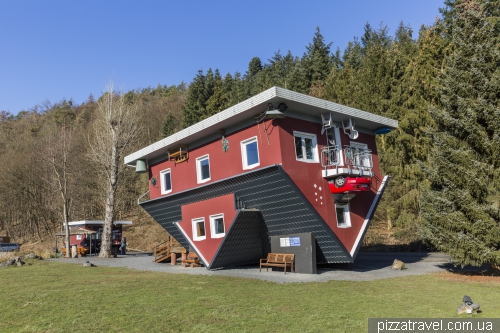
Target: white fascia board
<point x="326" y="106"/>
<point x="95" y="222"/>
<point x="203" y="125"/>
<point x="307" y="105"/>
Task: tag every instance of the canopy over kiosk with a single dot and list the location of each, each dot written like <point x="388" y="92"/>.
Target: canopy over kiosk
<point x="87" y="234"/>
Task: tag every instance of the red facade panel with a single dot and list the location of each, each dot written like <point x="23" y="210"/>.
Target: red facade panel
<point x="204" y="209"/>
<point x="222" y="164"/>
<point x="308" y="178"/>
<point x="276" y="145"/>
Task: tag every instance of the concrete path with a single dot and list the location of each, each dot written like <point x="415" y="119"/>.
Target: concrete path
<point x="367" y="266"/>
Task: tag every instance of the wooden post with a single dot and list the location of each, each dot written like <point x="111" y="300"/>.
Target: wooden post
<point x="183" y="257"/>
<point x="173" y="259"/>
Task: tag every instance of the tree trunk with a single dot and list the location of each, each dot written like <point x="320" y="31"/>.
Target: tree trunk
<point x="66" y="227"/>
<point x="107" y="231"/>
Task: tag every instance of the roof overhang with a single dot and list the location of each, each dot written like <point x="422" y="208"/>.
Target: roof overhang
<point x="298" y="104"/>
<point x="95" y="222"/>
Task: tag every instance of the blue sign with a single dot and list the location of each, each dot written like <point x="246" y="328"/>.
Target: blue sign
<point x="294" y="241"/>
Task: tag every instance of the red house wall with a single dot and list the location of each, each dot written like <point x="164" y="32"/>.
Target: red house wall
<point x="308" y="178"/>
<point x="116" y="235"/>
<point x="279" y="150"/>
<point x="222" y="164"/>
<point x="224" y="205"/>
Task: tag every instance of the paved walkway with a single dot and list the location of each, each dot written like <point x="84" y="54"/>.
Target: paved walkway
<point x="368" y="266"/>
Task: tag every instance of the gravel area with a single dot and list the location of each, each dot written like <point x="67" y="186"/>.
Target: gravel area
<point x="368" y="266"/>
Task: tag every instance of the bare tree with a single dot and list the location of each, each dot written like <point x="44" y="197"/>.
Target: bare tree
<point x="57" y="155"/>
<point x="115" y="129"/>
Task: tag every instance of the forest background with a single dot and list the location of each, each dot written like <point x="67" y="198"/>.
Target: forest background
<point x="45" y="150"/>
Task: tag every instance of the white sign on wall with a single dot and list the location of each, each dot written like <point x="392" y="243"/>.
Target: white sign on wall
<point x="285" y="242"/>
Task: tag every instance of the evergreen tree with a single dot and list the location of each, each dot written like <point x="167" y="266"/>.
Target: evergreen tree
<point x="317" y="61"/>
<point x="376" y="71"/>
<point x="194" y="108"/>
<point x="169" y="125"/>
<point x="279" y="69"/>
<point x="219" y="100"/>
<point x="251" y="76"/>
<point x="238" y="92"/>
<point x="460" y="205"/>
<point x="227" y="86"/>
<point x="210" y="79"/>
<point x="491" y="9"/>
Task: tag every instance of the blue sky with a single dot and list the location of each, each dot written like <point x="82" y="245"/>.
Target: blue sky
<point x="54" y="50"/>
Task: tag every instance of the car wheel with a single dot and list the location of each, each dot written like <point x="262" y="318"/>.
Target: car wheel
<point x="339" y="181"/>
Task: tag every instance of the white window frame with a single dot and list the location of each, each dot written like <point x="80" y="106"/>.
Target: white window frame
<point x="79" y="237"/>
<point x="346" y="214"/>
<point x="198" y="169"/>
<point x="162" y="181"/>
<point x="244" y="157"/>
<point x="303" y="136"/>
<point x="195" y="229"/>
<point x="362" y="146"/>
<point x="212" y="226"/>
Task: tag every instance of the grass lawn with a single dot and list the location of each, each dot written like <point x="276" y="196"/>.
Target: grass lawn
<point x="56" y="297"/>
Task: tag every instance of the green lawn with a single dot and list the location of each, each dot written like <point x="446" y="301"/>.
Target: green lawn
<point x="57" y="297"/>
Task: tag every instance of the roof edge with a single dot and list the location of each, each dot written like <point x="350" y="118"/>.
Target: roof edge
<point x="210" y="121"/>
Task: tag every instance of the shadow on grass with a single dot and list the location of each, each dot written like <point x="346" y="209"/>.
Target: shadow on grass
<point x="370" y="261"/>
<point x="469" y="270"/>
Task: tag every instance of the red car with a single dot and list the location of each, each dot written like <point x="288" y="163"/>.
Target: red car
<point x="344" y="184"/>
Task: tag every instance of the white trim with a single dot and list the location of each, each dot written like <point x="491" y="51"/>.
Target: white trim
<point x="96" y="222"/>
<point x="194" y="222"/>
<point x="244" y="157"/>
<point x="198" y="169"/>
<point x="251" y="107"/>
<point x="338" y="142"/>
<point x="162" y="182"/>
<point x="212" y="226"/>
<point x="304" y="135"/>
<point x="193" y="245"/>
<point x="358" y="145"/>
<point x="370" y="211"/>
<point x="347" y="215"/>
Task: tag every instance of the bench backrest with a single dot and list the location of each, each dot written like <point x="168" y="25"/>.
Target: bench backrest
<point x="192" y="255"/>
<point x="280" y="257"/>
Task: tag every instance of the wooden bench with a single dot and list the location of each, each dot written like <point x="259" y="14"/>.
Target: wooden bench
<point x="192" y="260"/>
<point x="278" y="260"/>
<point x="81" y="251"/>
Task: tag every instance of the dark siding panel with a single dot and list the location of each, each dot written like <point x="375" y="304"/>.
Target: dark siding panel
<point x="284" y="209"/>
<point x="245" y="243"/>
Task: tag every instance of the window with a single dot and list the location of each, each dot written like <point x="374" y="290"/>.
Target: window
<point x="343" y="216"/>
<point x="217" y="226"/>
<point x="362" y="156"/>
<point x="203" y="169"/>
<point x="199" y="229"/>
<point x="250" y="153"/>
<point x="79" y="237"/>
<point x="166" y="181"/>
<point x="305" y="147"/>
